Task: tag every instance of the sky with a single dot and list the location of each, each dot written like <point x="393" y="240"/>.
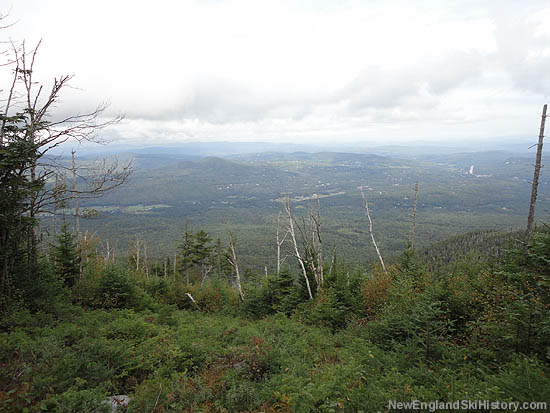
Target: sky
<point x="314" y="71"/>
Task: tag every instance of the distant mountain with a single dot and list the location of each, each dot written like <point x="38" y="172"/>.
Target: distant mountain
<point x="410" y="149"/>
<point x="330" y="157"/>
<point x="195" y="149"/>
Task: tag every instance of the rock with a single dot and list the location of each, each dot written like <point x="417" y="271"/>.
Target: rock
<point x="117" y="401"/>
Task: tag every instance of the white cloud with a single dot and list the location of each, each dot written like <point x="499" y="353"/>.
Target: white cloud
<point x="252" y="69"/>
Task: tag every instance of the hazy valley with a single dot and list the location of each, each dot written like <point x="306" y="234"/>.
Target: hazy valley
<point x="459" y="192"/>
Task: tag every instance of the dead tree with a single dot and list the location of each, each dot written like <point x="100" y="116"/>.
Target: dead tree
<point x="109" y="254"/>
<point x="234" y="262"/>
<point x="137" y="245"/>
<point x="145" y="259"/>
<point x="192" y="300"/>
<point x="318" y="242"/>
<point x="413" y="224"/>
<point x="534" y="187"/>
<point x="310" y="233"/>
<point x="370" y="229"/>
<point x="280" y="242"/>
<point x="292" y="232"/>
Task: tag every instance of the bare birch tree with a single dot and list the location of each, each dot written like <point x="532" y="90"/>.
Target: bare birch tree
<point x="370" y="229"/>
<point x="310" y="234"/>
<point x="137" y="245"/>
<point x="109" y="252"/>
<point x="292" y="232"/>
<point x="280" y="242"/>
<point x="233" y="261"/>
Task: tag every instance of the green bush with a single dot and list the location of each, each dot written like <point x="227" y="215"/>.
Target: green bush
<point x="78" y="401"/>
<point x="111" y="287"/>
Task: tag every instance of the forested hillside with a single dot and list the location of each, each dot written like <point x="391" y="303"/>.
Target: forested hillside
<point x="244" y="193"/>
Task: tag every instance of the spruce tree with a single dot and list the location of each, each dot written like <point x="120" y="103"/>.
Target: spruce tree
<point x="66" y="260"/>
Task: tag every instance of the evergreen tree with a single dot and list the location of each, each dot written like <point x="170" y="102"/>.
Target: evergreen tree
<point x="220" y="259"/>
<point x="17" y="156"/>
<point x="195" y="251"/>
<point x="202" y="250"/>
<point x="66" y="258"/>
<point x="185" y="261"/>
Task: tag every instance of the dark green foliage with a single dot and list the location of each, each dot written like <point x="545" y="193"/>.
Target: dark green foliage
<point x="196" y="251"/>
<point x="473" y="248"/>
<point x="338" y="302"/>
<point x="116" y="288"/>
<point x="112" y="287"/>
<point x="277" y="293"/>
<point x="78" y="401"/>
<point x="43" y="290"/>
<point x="522" y="379"/>
<point x="66" y="257"/>
<point x="17" y="242"/>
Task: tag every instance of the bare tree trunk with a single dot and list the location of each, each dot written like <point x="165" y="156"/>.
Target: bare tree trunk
<point x="235" y="263"/>
<point x="137" y="255"/>
<point x="205" y="271"/>
<point x="175" y="260"/>
<point x="413" y="225"/>
<point x="370" y="229"/>
<point x="138" y="243"/>
<point x="145" y="261"/>
<point x="318" y="243"/>
<point x="332" y="262"/>
<point x="107" y="255"/>
<point x="534" y="187"/>
<point x="192" y="300"/>
<point x="280" y="242"/>
<point x="286" y="204"/>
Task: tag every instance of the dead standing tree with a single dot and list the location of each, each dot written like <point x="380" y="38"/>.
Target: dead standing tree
<point x="534" y="187"/>
<point x="367" y="211"/>
<point x="310" y="232"/>
<point x="317" y="241"/>
<point x="233" y="261"/>
<point x="137" y="245"/>
<point x="292" y="233"/>
<point x="280" y="242"/>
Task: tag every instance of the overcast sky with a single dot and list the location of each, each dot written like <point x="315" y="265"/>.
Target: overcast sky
<point x="313" y="71"/>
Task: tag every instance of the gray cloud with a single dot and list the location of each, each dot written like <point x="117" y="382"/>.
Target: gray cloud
<point x="350" y="69"/>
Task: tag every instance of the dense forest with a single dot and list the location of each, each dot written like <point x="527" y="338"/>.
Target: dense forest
<point x="195" y="330"/>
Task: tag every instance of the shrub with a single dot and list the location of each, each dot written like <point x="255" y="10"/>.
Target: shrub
<point x="375" y="293"/>
<point x="78" y="401"/>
